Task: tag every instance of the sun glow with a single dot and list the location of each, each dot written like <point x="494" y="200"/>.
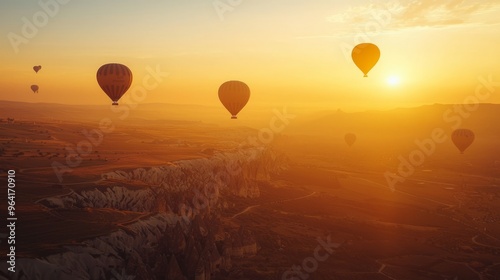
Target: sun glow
<point x="393" y="81"/>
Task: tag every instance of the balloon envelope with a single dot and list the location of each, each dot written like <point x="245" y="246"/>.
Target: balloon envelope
<point x="234" y="96"/>
<point x="34" y="88"/>
<point x="114" y="79"/>
<point x="365" y="56"/>
<point x="37" y="68"/>
<point x="350" y="138"/>
<point x="462" y="138"/>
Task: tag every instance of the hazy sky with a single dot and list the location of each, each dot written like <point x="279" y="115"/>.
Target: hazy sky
<point x="287" y="51"/>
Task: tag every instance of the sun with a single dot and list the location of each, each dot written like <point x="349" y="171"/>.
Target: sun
<point x="393" y="80"/>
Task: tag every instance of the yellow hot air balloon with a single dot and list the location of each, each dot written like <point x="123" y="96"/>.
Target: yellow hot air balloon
<point x="34" y="88"/>
<point x="234" y="96"/>
<point x="462" y="138"/>
<point x="365" y="56"/>
<point x="350" y="138"/>
<point x="37" y="68"/>
<point x="114" y="79"/>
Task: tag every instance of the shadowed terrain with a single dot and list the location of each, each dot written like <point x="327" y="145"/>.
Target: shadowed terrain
<point x="151" y="197"/>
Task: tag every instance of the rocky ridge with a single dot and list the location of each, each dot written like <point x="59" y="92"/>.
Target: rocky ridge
<point x="181" y="239"/>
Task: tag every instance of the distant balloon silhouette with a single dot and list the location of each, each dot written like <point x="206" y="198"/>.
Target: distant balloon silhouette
<point x="234" y="96"/>
<point x="34" y="88"/>
<point x="114" y="79"/>
<point x="462" y="138"/>
<point x="37" y="68"/>
<point x="365" y="56"/>
<point x="350" y="138"/>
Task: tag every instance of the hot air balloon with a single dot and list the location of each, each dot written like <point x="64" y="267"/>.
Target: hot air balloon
<point x="462" y="138"/>
<point x="34" y="88"/>
<point x="365" y="56"/>
<point x="114" y="79"/>
<point x="350" y="138"/>
<point x="234" y="96"/>
<point x="37" y="68"/>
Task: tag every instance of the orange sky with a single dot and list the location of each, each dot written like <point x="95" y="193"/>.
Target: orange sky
<point x="288" y="52"/>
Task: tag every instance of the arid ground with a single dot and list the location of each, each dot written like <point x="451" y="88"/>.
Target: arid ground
<point x="442" y="221"/>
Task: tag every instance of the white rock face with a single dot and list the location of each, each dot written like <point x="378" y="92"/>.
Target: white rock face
<point x="101" y="257"/>
<point x="236" y="173"/>
<point x="176" y="194"/>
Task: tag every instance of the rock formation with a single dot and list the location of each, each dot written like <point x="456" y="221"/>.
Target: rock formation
<point x="181" y="239"/>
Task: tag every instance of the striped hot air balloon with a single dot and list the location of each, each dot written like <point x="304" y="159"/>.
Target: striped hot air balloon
<point x="114" y="79"/>
<point x="234" y="96"/>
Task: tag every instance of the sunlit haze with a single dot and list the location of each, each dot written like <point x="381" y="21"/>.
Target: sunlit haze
<point x="288" y="53"/>
<point x="250" y="139"/>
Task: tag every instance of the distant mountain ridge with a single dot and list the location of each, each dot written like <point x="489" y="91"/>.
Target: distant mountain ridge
<point x="415" y="120"/>
<point x="255" y="117"/>
<point x="399" y="120"/>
